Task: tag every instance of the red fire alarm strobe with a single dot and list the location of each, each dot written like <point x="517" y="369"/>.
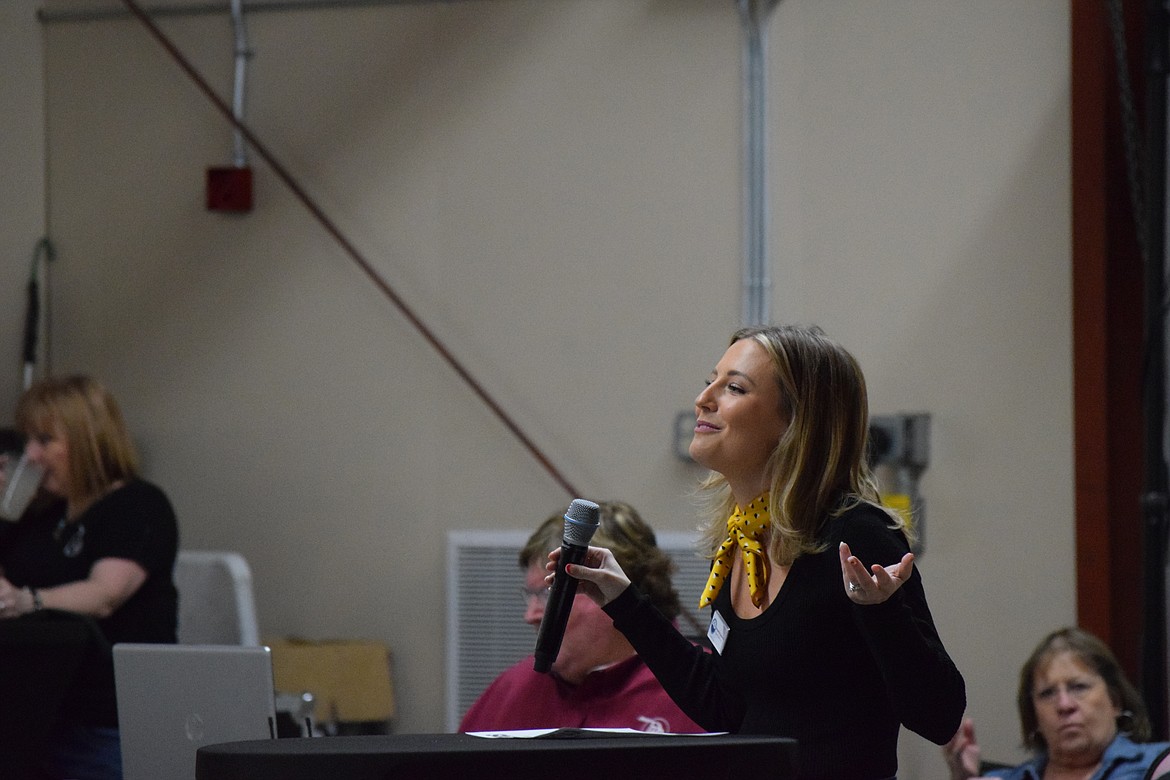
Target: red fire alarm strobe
<point x="229" y="189"/>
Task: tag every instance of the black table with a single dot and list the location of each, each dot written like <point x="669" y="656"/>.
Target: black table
<point x="572" y="756"/>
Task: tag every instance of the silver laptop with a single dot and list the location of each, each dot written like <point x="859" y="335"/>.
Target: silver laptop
<point x="173" y="699"/>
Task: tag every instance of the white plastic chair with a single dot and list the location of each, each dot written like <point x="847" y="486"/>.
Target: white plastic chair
<point x="216" y="605"/>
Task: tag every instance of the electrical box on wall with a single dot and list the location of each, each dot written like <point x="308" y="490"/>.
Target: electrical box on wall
<point x="899" y="451"/>
<point x="900" y="440"/>
<point x="229" y="189"/>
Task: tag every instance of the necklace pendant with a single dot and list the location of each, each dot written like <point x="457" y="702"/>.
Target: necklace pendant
<point x="76" y="543"/>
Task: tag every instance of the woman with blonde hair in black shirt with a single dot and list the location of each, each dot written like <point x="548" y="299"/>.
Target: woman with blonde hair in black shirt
<point x="98" y="541"/>
<point x="820" y="626"/>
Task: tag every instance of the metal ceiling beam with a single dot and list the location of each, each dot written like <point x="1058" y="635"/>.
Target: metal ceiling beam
<point x="103" y="12"/>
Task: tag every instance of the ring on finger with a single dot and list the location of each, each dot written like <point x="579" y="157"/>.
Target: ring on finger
<point x="854" y="587"/>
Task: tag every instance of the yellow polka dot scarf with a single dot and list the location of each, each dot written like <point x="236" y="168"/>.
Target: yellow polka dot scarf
<point x="744" y="529"/>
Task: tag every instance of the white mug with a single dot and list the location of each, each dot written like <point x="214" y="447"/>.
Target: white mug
<point x="24" y="477"/>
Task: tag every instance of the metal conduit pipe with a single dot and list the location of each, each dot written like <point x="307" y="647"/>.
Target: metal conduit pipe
<point x="757" y="283"/>
<point x="243" y="52"/>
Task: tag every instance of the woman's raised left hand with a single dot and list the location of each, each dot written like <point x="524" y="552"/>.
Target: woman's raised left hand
<point x="862" y="587"/>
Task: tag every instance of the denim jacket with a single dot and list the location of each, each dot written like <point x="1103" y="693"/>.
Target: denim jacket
<point x="1123" y="760"/>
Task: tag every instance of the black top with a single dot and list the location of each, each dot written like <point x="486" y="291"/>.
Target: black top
<point x="837" y="676"/>
<point x="134" y="522"/>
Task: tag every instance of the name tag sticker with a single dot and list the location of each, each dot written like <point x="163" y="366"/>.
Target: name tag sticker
<point x="717" y="632"/>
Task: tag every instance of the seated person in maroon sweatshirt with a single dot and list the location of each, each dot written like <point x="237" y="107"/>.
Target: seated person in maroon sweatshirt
<point x="597" y="680"/>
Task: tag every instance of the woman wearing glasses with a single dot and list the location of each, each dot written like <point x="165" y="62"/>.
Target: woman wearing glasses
<point x="597" y="681"/>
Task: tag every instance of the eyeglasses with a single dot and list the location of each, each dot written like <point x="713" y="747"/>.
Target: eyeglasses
<point x="540" y="594"/>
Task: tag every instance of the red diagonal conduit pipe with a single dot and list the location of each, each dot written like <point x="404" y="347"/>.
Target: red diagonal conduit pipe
<point x="349" y="248"/>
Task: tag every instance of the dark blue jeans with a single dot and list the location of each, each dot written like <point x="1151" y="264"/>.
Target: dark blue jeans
<point x="85" y="753"/>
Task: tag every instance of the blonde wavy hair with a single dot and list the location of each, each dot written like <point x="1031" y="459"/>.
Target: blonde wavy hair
<point x="818" y="468"/>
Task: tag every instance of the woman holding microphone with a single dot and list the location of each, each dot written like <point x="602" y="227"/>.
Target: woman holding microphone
<point x="820" y="626"/>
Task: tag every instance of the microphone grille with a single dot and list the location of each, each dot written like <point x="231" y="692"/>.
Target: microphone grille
<point x="581" y="522"/>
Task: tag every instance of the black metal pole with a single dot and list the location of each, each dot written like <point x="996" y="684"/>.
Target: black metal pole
<point x="1154" y="499"/>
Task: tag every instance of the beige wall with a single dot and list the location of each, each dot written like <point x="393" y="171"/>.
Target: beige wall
<point x="555" y="188"/>
<point x="22" y="195"/>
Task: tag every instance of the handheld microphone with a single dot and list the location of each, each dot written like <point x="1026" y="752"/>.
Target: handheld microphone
<point x="581" y="521"/>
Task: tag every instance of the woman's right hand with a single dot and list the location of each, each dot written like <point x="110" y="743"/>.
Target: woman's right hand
<point x="962" y="753"/>
<point x="599" y="575"/>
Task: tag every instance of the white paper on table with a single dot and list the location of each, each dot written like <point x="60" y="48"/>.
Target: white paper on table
<point x="533" y="733"/>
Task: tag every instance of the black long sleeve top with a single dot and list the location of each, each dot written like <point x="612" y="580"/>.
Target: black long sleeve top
<point x="837" y="676"/>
